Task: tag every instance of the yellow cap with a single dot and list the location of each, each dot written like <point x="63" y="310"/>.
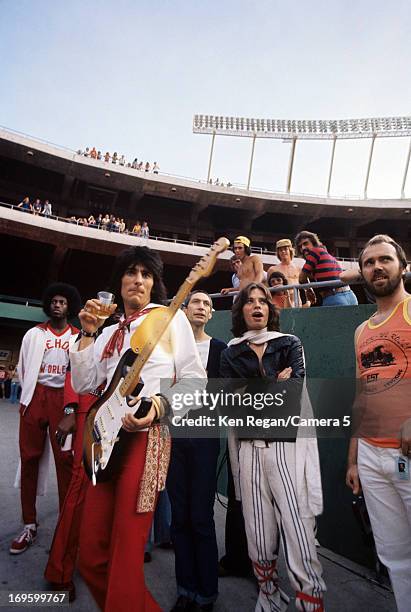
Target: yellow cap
<point x="243" y="240"/>
<point x="283" y="242"/>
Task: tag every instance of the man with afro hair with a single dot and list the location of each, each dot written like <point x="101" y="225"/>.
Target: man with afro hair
<point x="42" y="370"/>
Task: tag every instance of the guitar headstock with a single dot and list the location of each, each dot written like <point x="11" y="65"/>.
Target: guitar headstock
<point x="205" y="266"/>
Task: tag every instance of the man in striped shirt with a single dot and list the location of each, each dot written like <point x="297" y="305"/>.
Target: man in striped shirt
<point x="321" y="266"/>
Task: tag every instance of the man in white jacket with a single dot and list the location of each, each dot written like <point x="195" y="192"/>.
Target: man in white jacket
<point x="42" y="371"/>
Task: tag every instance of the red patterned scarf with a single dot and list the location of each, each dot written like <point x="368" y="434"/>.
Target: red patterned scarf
<point x="117" y="339"/>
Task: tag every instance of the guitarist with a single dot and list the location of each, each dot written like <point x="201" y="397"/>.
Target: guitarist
<point x="118" y="513"/>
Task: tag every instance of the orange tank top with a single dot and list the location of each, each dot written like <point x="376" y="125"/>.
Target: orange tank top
<point x="383" y="355"/>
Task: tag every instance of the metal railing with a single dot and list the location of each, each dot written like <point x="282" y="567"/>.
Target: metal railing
<point x="254" y="249"/>
<point x="332" y="284"/>
<point x="240" y="186"/>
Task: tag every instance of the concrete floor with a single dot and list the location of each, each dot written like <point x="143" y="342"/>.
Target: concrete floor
<point x="351" y="588"/>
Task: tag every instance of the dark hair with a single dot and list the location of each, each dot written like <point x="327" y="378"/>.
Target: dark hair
<point x="306" y="234"/>
<point x="239" y="327"/>
<point x="277" y="274"/>
<point x="190" y="295"/>
<point x="247" y="249"/>
<point x="384" y="238"/>
<point x="69" y="292"/>
<point x="139" y="256"/>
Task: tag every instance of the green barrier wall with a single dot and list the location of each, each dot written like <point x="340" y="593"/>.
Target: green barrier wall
<point x="327" y="335"/>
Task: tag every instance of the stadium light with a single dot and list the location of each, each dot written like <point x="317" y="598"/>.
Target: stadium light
<point x="291" y="130"/>
<point x="309" y="129"/>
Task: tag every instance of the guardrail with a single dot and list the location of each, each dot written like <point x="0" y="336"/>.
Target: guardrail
<point x="258" y="250"/>
<point x="314" y="285"/>
<point x="240" y="186"/>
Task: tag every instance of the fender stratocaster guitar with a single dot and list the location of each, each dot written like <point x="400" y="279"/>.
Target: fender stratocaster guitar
<point x="103" y="430"/>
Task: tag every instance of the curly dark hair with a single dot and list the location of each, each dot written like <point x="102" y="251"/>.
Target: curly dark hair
<point x="142" y="256"/>
<point x="306" y="234"/>
<point x="277" y="274"/>
<point x="239" y="327"/>
<point x="69" y="292"/>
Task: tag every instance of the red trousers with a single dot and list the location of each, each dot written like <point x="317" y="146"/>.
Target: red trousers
<point x="113" y="536"/>
<point x="44" y="411"/>
<point x="63" y="553"/>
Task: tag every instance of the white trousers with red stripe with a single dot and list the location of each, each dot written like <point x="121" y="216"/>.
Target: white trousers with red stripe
<point x="388" y="502"/>
<point x="270" y="508"/>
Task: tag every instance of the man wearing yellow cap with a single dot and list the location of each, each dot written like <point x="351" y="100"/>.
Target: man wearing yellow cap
<point x="251" y="269"/>
<point x="285" y="253"/>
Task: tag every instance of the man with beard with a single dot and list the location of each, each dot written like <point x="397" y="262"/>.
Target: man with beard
<point x="379" y="453"/>
<point x="321" y="266"/>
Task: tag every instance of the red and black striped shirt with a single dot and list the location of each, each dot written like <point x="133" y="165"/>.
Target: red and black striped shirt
<point x="321" y="265"/>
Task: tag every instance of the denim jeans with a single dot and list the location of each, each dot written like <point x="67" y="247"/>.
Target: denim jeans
<point x="345" y="298"/>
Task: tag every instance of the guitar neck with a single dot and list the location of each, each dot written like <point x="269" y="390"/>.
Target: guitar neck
<point x="133" y="375"/>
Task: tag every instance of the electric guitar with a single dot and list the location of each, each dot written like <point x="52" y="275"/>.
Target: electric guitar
<point x="103" y="433"/>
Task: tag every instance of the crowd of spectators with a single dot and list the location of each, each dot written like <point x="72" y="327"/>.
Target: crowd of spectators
<point x="36" y="207"/>
<point x="111" y="223"/>
<point x="115" y="158"/>
<point x="106" y="222"/>
<point x="219" y="183"/>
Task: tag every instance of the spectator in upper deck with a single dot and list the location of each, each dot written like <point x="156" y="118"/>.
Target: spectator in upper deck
<point x="135" y="163"/>
<point x="137" y="228"/>
<point x="93" y="153"/>
<point x="87" y="152"/>
<point x="145" y="230"/>
<point x="25" y="205"/>
<point x="99" y="155"/>
<point x="122" y="161"/>
<point x="37" y="207"/>
<point x="147" y="167"/>
<point x="156" y="168"/>
<point x="107" y="156"/>
<point x="114" y="159"/>
<point x="47" y="209"/>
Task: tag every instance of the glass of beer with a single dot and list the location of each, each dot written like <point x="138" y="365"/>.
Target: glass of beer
<point x="106" y="299"/>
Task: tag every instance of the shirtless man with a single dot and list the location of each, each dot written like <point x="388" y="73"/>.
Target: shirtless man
<point x="250" y="269"/>
<point x="285" y="253"/>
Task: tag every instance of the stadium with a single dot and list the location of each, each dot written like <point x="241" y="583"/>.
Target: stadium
<point x="246" y="446"/>
<point x="185" y="217"/>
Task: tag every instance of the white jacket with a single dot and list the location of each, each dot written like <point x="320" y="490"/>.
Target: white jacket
<point x="30" y="359"/>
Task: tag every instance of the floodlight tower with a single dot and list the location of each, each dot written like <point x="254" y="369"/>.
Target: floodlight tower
<point x="291" y="130"/>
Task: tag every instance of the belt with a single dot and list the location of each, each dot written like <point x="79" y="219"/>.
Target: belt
<point x="267" y="441"/>
<point x="333" y="291"/>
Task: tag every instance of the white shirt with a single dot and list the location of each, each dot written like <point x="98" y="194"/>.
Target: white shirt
<point x="55" y="358"/>
<point x="203" y="351"/>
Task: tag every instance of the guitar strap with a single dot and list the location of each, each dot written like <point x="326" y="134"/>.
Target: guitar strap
<point x="155" y="467"/>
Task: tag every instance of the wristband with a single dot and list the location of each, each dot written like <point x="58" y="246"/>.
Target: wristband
<point x="85" y="334"/>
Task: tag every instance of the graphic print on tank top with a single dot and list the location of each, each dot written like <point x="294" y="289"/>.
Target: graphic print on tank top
<point x="383" y="360"/>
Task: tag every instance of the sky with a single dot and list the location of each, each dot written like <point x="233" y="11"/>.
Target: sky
<point x="128" y="76"/>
